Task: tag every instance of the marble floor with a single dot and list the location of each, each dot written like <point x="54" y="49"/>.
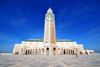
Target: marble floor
<point x="50" y="61"/>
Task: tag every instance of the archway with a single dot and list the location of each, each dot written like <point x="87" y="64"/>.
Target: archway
<point x="86" y="52"/>
<point x="54" y="51"/>
<point x="73" y="51"/>
<point x="47" y="51"/>
<point x="17" y="52"/>
<point x="33" y="51"/>
<point x="42" y="51"/>
<point x="81" y="53"/>
<point x="64" y="51"/>
<point x="26" y="52"/>
<point x="36" y="51"/>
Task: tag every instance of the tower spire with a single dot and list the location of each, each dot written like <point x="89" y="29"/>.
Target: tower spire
<point x="49" y="33"/>
<point x="49" y="10"/>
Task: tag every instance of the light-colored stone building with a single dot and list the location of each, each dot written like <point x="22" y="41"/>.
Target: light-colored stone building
<point x="49" y="45"/>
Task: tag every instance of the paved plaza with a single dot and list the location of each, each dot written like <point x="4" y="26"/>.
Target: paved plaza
<point x="49" y="61"/>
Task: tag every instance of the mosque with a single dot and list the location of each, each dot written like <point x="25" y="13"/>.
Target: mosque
<point x="49" y="45"/>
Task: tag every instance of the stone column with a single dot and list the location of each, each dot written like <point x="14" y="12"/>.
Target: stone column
<point x="60" y="51"/>
<point x="34" y="51"/>
<point x="50" y="50"/>
<point x="72" y="51"/>
<point x="65" y="51"/>
<point x="20" y="51"/>
<point x="41" y="51"/>
<point x="56" y="50"/>
<point x="23" y="51"/>
<point x="68" y="51"/>
<point x="38" y="51"/>
<point x="27" y="51"/>
<point x="44" y="50"/>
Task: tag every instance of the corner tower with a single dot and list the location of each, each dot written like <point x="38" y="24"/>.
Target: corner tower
<point x="49" y="30"/>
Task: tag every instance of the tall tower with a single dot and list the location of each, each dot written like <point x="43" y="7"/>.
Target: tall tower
<point x="49" y="33"/>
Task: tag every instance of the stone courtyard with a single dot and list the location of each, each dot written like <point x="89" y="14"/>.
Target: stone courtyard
<point x="50" y="60"/>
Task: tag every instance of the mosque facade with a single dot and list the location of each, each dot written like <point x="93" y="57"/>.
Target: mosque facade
<point x="49" y="45"/>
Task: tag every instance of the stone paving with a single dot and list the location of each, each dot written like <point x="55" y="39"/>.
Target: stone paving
<point x="49" y="61"/>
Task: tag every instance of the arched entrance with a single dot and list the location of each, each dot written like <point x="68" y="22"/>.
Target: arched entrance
<point x="64" y="51"/>
<point x="73" y="51"/>
<point x="36" y="52"/>
<point x="17" y="52"/>
<point x="47" y="51"/>
<point x="26" y="52"/>
<point x="54" y="51"/>
<point x="86" y="52"/>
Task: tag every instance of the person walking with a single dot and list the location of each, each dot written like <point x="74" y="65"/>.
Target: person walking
<point x="76" y="55"/>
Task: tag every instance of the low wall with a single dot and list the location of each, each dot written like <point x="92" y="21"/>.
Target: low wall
<point x="6" y="53"/>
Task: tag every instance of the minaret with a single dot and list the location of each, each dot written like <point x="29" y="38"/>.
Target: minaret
<point x="49" y="33"/>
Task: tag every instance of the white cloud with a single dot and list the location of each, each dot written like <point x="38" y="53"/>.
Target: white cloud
<point x="94" y="34"/>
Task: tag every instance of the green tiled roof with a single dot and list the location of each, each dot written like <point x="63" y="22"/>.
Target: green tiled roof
<point x="42" y="39"/>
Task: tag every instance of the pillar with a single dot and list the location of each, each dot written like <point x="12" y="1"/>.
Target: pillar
<point x="56" y="50"/>
<point x="29" y="51"/>
<point x="20" y="52"/>
<point x="74" y="51"/>
<point x="44" y="50"/>
<point x="34" y="51"/>
<point x="69" y="51"/>
<point x="65" y="51"/>
<point x="50" y="52"/>
<point x="41" y="51"/>
<point x="37" y="51"/>
<point x="62" y="51"/>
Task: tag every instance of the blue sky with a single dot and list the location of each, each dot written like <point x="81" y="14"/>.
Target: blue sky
<point x="77" y="20"/>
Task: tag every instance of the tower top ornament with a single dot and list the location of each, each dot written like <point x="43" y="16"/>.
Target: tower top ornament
<point x="49" y="10"/>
